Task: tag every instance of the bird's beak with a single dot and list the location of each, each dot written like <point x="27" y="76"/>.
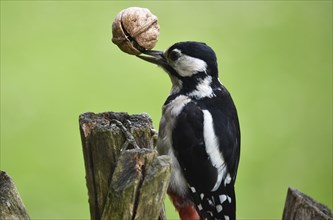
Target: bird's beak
<point x="154" y="56"/>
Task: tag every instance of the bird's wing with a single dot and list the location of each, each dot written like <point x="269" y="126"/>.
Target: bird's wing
<point x="206" y="144"/>
<point x="226" y="127"/>
<point x="190" y="148"/>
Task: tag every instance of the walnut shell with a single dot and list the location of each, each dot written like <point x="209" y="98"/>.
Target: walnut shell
<point x="134" y="30"/>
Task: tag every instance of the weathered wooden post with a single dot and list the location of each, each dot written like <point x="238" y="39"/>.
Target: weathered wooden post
<point x="123" y="184"/>
<point x="11" y="205"/>
<point x="299" y="206"/>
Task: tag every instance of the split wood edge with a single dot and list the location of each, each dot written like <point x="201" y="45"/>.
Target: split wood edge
<point x="129" y="184"/>
<point x="11" y="204"/>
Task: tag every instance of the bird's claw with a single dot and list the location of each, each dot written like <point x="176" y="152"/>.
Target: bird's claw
<point x="128" y="134"/>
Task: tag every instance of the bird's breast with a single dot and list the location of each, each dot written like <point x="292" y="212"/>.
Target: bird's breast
<point x="164" y="143"/>
<point x="169" y="114"/>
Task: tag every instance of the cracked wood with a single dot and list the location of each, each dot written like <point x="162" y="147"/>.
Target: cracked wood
<point x="123" y="185"/>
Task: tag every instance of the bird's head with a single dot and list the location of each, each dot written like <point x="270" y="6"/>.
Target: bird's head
<point x="185" y="61"/>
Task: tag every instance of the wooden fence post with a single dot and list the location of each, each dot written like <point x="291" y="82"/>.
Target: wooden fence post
<point x="128" y="184"/>
<point x="11" y="205"/>
<point x="299" y="206"/>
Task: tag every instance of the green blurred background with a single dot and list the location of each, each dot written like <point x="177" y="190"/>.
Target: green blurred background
<point x="58" y="61"/>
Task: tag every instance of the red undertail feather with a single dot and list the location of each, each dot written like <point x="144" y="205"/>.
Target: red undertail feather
<point x="185" y="209"/>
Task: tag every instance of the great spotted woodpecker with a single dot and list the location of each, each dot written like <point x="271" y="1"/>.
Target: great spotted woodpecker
<point x="199" y="130"/>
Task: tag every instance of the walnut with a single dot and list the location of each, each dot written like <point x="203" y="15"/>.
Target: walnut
<point x="135" y="30"/>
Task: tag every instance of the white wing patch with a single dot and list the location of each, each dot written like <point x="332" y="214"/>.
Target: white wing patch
<point x="212" y="148"/>
<point x="227" y="180"/>
<point x="219" y="208"/>
<point x="222" y="198"/>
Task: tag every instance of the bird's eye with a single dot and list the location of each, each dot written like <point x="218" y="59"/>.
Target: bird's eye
<point x="174" y="55"/>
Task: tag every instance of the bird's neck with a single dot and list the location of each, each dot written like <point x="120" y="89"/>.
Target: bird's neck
<point x="197" y="87"/>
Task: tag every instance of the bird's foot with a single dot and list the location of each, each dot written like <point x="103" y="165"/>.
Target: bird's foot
<point x="128" y="134"/>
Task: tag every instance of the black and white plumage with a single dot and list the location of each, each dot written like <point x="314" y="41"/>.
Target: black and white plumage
<point x="199" y="130"/>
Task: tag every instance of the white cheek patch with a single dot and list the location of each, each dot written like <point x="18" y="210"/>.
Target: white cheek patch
<point x="188" y="66"/>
